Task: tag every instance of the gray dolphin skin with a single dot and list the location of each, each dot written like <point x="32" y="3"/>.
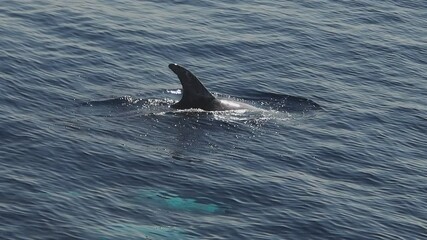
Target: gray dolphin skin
<point x="195" y="95"/>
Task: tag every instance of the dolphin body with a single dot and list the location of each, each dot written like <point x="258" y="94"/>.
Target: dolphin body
<point x="195" y="95"/>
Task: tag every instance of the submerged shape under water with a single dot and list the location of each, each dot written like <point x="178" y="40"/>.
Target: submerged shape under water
<point x="176" y="203"/>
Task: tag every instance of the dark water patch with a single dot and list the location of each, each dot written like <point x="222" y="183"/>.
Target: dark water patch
<point x="283" y="102"/>
<point x="120" y="101"/>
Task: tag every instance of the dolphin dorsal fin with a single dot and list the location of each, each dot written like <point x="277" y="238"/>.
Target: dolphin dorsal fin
<point x="194" y="94"/>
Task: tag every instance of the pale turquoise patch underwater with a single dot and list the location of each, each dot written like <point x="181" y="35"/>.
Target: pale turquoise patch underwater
<point x="173" y="202"/>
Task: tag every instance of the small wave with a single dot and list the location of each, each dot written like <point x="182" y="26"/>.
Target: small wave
<point x="129" y="101"/>
<point x="177" y="91"/>
<point x="125" y="100"/>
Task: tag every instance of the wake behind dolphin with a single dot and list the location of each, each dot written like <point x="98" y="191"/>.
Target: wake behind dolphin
<point x="195" y="95"/>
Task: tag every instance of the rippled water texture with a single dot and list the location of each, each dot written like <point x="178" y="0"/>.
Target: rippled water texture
<point x="90" y="148"/>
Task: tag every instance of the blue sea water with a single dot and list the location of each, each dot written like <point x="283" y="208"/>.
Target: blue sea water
<point x="90" y="148"/>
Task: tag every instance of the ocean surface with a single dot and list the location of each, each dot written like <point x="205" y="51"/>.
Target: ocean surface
<point x="90" y="148"/>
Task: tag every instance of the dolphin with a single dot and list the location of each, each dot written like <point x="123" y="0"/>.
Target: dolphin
<point x="195" y="95"/>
